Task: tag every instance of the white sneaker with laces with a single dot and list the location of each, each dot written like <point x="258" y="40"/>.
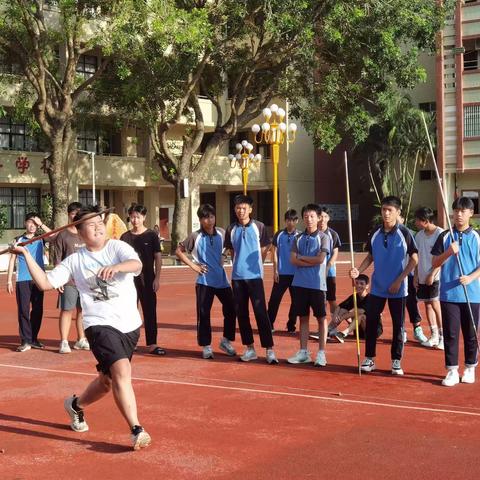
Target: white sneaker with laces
<point x="77" y="420"/>
<point x="419" y="335"/>
<point x="207" y="352"/>
<point x="452" y="378"/>
<point x="64" y="347"/>
<point x="368" y="365"/>
<point x="249" y="354"/>
<point x="82" y="344"/>
<point x="440" y="345"/>
<point x="227" y="347"/>
<point x="468" y="375"/>
<point x="271" y="358"/>
<point x="302" y="356"/>
<point x="431" y="342"/>
<point x="321" y="360"/>
<point x="397" y="367"/>
<point x="141" y="439"/>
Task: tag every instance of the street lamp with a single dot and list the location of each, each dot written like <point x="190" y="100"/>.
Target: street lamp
<point x="92" y="158"/>
<point x="274" y="132"/>
<point x="243" y="159"/>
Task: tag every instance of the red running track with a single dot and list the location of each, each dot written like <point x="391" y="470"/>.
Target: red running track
<point x="221" y="419"/>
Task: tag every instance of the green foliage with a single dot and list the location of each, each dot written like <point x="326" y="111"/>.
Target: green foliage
<point x="364" y="51"/>
<point x="3" y="220"/>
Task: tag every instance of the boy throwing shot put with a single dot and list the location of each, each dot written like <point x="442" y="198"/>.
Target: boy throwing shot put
<point x="103" y="272"/>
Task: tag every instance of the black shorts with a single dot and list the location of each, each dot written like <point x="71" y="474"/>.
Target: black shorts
<point x="306" y="298"/>
<point x="331" y="289"/>
<point x="109" y="345"/>
<point x="427" y="293"/>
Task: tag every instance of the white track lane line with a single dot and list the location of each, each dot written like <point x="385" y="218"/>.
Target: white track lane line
<point x="261" y="391"/>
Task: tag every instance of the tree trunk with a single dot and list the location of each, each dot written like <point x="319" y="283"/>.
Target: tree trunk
<point x="180" y="218"/>
<point x="59" y="183"/>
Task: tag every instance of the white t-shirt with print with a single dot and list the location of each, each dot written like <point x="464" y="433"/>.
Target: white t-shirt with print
<point x="425" y="244"/>
<point x="112" y="302"/>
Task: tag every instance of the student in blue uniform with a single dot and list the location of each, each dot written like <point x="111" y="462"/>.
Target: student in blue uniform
<point x="27" y="293"/>
<point x="248" y="243"/>
<point x="283" y="270"/>
<point x="392" y="250"/>
<point x="335" y="244"/>
<point x="309" y="255"/>
<point x="206" y="246"/>
<point x="453" y="302"/>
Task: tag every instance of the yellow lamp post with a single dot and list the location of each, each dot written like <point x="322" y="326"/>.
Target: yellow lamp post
<point x="274" y="132"/>
<point x="244" y="158"/>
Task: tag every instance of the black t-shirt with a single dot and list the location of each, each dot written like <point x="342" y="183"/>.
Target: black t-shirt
<point x="146" y="245"/>
<point x="361" y="302"/>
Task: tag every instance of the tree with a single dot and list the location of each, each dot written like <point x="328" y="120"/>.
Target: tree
<point x="46" y="39"/>
<point x="396" y="148"/>
<point x="333" y="59"/>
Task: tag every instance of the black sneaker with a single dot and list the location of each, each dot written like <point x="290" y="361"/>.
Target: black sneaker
<point x="37" y="344"/>
<point x="339" y="337"/>
<point x="77" y="419"/>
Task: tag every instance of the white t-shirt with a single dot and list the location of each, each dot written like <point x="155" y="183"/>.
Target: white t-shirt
<point x="112" y="303"/>
<point x="425" y="244"/>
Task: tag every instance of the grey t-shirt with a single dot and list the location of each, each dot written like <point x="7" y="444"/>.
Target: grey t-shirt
<point x="425" y="244"/>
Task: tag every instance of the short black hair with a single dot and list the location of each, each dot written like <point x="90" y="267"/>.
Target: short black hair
<point x="74" y="206"/>
<point x="392" y="201"/>
<point x="311" y="207"/>
<point x="239" y="199"/>
<point x="205" y="210"/>
<point x="364" y="278"/>
<point x="463" y="203"/>
<point x="425" y="214"/>
<point x="291" y="214"/>
<point x="137" y="208"/>
<point x="30" y="215"/>
<point x="84" y="211"/>
<point x="323" y="210"/>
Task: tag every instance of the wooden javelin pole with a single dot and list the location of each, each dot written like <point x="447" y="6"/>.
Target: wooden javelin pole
<point x="59" y="229"/>
<point x="352" y="262"/>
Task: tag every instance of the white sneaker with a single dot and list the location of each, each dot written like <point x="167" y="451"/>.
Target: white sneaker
<point x="227" y="347"/>
<point x="64" y="347"/>
<point x="302" y="356"/>
<point x="440" y="345"/>
<point x="452" y="378"/>
<point x="433" y="341"/>
<point x="397" y="367"/>
<point x="82" y="344"/>
<point x="271" y="358"/>
<point x="141" y="439"/>
<point x="419" y="335"/>
<point x="249" y="354"/>
<point x="368" y="365"/>
<point x="321" y="360"/>
<point x="468" y="375"/>
<point x="207" y="352"/>
<point x="77" y="420"/>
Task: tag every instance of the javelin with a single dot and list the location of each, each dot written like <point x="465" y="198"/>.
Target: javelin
<point x="59" y="229"/>
<point x="352" y="261"/>
<point x="445" y="206"/>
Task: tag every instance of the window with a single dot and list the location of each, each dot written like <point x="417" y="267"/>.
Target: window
<point x="87" y="65"/>
<point x="471" y="118"/>
<point x="428" y="107"/>
<point x="98" y="140"/>
<point x="18" y="202"/>
<point x="265" y="207"/>
<point x="208" y="197"/>
<point x="85" y="196"/>
<point x="14" y="136"/>
<point x="427" y="175"/>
